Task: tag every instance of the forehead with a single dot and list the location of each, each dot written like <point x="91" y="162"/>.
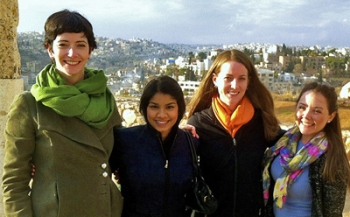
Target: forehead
<point x="233" y="68"/>
<point x="314" y="99"/>
<point x="162" y="98"/>
<point x="71" y="36"/>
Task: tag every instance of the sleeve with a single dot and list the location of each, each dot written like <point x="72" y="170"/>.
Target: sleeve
<point x="19" y="148"/>
<point x="328" y="198"/>
<point x="191" y="120"/>
<point x="115" y="155"/>
<point x="333" y="194"/>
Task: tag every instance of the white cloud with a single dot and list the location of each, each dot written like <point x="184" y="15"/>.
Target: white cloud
<point x="203" y="21"/>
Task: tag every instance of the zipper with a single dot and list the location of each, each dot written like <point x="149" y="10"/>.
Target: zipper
<point x="235" y="175"/>
<point x="167" y="177"/>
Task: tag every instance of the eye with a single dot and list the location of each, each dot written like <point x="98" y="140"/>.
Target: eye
<point x="318" y="111"/>
<point x="81" y="45"/>
<point x="152" y="106"/>
<point x="301" y="107"/>
<point x="170" y="107"/>
<point x="62" y="45"/>
<point x="228" y="78"/>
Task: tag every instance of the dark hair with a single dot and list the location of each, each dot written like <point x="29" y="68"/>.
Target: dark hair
<point x="257" y="93"/>
<point x="68" y="21"/>
<point x="336" y="165"/>
<point x="165" y="85"/>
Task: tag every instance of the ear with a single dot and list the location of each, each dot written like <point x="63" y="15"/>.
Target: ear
<point x="49" y="51"/>
<point x="214" y="77"/>
<point x="331" y="117"/>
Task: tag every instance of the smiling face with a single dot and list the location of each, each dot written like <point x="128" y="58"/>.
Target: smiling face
<point x="70" y="52"/>
<point x="162" y="113"/>
<point x="232" y="82"/>
<point x="312" y="114"/>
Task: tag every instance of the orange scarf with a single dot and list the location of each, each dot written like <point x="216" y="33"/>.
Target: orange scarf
<point x="232" y="121"/>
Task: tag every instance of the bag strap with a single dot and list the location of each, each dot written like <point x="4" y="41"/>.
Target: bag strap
<point x="195" y="158"/>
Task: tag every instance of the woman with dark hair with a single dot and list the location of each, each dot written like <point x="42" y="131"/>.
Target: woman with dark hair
<point x="307" y="172"/>
<point x="154" y="161"/>
<point x="233" y="113"/>
<point x="64" y="126"/>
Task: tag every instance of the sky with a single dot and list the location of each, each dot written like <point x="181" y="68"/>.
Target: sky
<point x="289" y="22"/>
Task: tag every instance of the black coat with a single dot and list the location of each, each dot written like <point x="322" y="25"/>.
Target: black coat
<point x="232" y="167"/>
<point x="152" y="185"/>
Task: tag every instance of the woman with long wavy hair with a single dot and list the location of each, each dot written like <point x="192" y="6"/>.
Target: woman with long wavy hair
<point x="233" y="113"/>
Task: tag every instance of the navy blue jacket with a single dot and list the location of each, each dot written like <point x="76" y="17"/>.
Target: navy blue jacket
<point x="152" y="185"/>
<point x="232" y="167"/>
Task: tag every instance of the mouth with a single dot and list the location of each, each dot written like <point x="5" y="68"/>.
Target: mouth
<point x="72" y="62"/>
<point x="307" y="124"/>
<point x="161" y="122"/>
<point x="231" y="92"/>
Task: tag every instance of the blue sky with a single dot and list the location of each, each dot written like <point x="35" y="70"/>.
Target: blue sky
<point x="297" y="22"/>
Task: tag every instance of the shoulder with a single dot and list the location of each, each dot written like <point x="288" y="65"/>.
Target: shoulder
<point x="131" y="129"/>
<point x="198" y="116"/>
<point x="24" y="97"/>
<point x="23" y="103"/>
<point x="130" y="132"/>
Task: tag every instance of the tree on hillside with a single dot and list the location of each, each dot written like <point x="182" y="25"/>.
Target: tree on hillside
<point x="190" y="76"/>
<point x="298" y="69"/>
<point x="190" y="57"/>
<point x="336" y="65"/>
<point x="290" y="67"/>
<point x="201" y="56"/>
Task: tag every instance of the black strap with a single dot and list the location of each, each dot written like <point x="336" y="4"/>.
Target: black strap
<point x="195" y="158"/>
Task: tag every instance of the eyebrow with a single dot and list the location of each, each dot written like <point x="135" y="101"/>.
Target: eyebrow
<point x="304" y="104"/>
<point x="157" y="103"/>
<point x="228" y="74"/>
<point x="64" y="40"/>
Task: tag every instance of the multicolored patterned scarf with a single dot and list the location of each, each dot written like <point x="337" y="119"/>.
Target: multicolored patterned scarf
<point x="89" y="100"/>
<point x="291" y="161"/>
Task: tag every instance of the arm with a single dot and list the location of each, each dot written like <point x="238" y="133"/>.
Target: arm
<point x="328" y="198"/>
<point x="190" y="128"/>
<point x="115" y="157"/>
<point x="333" y="197"/>
<point x="19" y="148"/>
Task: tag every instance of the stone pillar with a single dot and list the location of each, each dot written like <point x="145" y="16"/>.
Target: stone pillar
<point x="10" y="64"/>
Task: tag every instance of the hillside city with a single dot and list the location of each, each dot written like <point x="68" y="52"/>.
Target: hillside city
<point x="129" y="64"/>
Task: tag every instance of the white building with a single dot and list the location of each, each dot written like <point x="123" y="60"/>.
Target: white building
<point x="286" y="76"/>
<point x="344" y="92"/>
<point x="189" y="86"/>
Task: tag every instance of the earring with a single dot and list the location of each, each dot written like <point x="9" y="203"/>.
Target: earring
<point x="329" y="121"/>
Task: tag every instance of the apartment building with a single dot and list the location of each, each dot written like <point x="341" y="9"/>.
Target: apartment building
<point x="266" y="77"/>
<point x="189" y="87"/>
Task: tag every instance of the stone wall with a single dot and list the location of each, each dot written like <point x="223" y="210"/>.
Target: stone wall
<point x="10" y="66"/>
<point x="9" y="55"/>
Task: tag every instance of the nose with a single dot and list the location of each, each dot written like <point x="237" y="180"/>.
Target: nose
<point x="71" y="52"/>
<point x="234" y="83"/>
<point x="306" y="113"/>
<point x="161" y="113"/>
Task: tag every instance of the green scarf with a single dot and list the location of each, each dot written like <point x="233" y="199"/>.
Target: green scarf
<point x="89" y="100"/>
